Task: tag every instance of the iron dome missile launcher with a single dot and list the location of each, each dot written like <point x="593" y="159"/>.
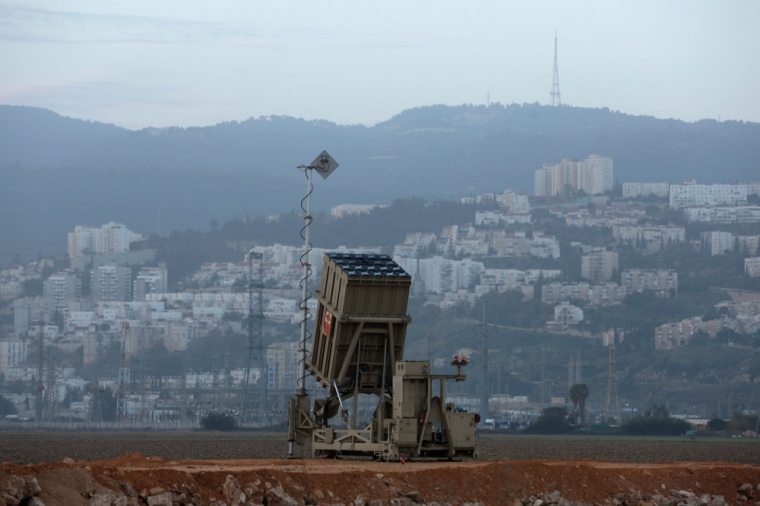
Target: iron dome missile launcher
<point x="358" y="348"/>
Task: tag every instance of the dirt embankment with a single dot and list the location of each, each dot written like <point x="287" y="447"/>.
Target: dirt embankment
<point x="135" y="479"/>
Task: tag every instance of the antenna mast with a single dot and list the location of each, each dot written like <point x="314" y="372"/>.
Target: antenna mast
<point x="556" y="97"/>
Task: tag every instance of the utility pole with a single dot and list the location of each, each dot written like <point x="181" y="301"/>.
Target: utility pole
<point x="215" y="395"/>
<point x="430" y="349"/>
<point x="50" y="394"/>
<point x="483" y="369"/>
<point x="612" y="397"/>
<point x="124" y="376"/>
<point x="142" y="346"/>
<point x="543" y="377"/>
<point x="40" y="358"/>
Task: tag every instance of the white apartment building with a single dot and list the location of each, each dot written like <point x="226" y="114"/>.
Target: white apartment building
<point x="441" y="275"/>
<point x="150" y="280"/>
<point x="111" y="282"/>
<point x="752" y="266"/>
<point x="597" y="175"/>
<point x="604" y="294"/>
<point x="544" y="246"/>
<point x="496" y="218"/>
<point x="661" y="281"/>
<point x="109" y="238"/>
<point x="542" y="181"/>
<point x="723" y="215"/>
<point x="62" y="288"/>
<point x="690" y="194"/>
<point x="515" y="202"/>
<point x="13" y="353"/>
<point x="632" y="190"/>
<point x="720" y="242"/>
<point x="599" y="265"/>
<point x="717" y="242"/>
<point x="674" y="335"/>
<point x="349" y="209"/>
<point x="644" y="234"/>
<point x="753" y="188"/>
<point x="593" y="175"/>
<point x="282" y="365"/>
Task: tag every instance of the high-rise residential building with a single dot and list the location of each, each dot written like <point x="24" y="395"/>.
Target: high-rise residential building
<point x="690" y="194"/>
<point x="62" y="288"/>
<point x="599" y="265"/>
<point x="111" y="283"/>
<point x="83" y="241"/>
<point x="282" y="365"/>
<point x="109" y="238"/>
<point x="150" y="280"/>
<point x="542" y="181"/>
<point x="597" y="175"/>
<point x="632" y="190"/>
<point x="593" y="175"/>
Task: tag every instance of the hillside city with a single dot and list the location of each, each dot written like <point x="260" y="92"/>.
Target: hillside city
<point x="563" y="265"/>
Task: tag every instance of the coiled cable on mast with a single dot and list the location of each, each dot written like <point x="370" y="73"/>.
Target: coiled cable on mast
<point x="306" y="314"/>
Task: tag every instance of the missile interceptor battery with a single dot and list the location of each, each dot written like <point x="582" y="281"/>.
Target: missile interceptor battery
<point x="362" y="300"/>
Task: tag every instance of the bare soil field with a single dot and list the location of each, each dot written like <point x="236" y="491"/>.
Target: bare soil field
<point x="38" y="447"/>
<point x="213" y="469"/>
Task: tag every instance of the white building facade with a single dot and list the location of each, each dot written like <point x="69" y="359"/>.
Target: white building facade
<point x="690" y="194"/>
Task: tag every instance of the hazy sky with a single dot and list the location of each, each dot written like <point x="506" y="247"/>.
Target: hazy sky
<point x="158" y="63"/>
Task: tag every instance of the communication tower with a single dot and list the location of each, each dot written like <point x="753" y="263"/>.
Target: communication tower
<point x="556" y="97"/>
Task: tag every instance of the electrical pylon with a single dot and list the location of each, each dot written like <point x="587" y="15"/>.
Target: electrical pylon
<point x="255" y="341"/>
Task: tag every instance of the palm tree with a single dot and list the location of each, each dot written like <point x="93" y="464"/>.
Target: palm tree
<point x="578" y="394"/>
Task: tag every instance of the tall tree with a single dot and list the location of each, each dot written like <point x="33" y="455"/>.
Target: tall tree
<point x="578" y="395"/>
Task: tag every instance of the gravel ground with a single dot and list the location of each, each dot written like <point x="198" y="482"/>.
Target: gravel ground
<point x="37" y="447"/>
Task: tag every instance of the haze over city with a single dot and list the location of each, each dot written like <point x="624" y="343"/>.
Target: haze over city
<point x="139" y="64"/>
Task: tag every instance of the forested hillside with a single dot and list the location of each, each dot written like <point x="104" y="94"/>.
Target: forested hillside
<point x="58" y="172"/>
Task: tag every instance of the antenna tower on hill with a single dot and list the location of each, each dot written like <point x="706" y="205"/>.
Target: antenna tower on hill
<point x="556" y="97"/>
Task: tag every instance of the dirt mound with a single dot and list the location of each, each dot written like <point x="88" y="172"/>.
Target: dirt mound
<point x="134" y="479"/>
